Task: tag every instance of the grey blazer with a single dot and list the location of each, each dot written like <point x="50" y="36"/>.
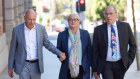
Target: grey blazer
<point x="17" y="54"/>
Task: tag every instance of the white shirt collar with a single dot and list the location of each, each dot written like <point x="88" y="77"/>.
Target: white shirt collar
<point x="113" y="24"/>
<point x="25" y="27"/>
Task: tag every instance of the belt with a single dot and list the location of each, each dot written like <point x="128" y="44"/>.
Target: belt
<point x="32" y="61"/>
<point x="115" y="61"/>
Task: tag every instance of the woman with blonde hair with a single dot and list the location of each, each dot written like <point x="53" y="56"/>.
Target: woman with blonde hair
<point x="76" y="44"/>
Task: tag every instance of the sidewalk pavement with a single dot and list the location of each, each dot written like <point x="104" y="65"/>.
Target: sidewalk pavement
<point x="132" y="73"/>
<point x="52" y="67"/>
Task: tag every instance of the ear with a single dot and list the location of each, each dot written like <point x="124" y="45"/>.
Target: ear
<point x="24" y="18"/>
<point x="79" y="21"/>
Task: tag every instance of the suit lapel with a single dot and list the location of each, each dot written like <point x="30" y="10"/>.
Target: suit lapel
<point x="37" y="34"/>
<point x="66" y="35"/>
<point x="82" y="39"/>
<point x="22" y="35"/>
<point x="105" y="33"/>
<point x="119" y="34"/>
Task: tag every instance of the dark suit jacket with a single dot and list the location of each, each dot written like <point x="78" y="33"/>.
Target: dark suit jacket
<point x="62" y="45"/>
<point x="100" y="45"/>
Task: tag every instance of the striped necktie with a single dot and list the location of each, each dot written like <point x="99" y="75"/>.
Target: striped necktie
<point x="113" y="43"/>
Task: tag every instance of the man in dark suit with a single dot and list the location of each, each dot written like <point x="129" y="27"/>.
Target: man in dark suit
<point x="114" y="47"/>
<point x="26" y="56"/>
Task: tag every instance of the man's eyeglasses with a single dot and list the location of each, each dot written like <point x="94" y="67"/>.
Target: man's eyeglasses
<point x="71" y="20"/>
<point x="106" y="14"/>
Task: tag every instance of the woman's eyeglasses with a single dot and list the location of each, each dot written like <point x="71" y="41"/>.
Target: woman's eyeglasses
<point x="71" y="20"/>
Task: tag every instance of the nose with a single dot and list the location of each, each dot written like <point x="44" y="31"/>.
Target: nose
<point x="108" y="16"/>
<point x="31" y="21"/>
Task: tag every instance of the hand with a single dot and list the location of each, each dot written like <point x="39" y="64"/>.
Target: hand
<point x="10" y="73"/>
<point x="96" y="75"/>
<point x="62" y="56"/>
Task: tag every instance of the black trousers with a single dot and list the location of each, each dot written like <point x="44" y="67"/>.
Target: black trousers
<point x="113" y="70"/>
<point x="80" y="76"/>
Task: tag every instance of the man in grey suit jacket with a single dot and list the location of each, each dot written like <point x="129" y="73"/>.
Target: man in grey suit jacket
<point x="103" y="42"/>
<point x="25" y="55"/>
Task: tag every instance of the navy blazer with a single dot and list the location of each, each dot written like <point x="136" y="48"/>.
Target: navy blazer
<point x="62" y="45"/>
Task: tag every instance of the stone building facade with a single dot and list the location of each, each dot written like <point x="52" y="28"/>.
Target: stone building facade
<point x="11" y="14"/>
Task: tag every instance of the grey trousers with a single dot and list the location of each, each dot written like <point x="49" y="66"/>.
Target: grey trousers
<point x="30" y="71"/>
